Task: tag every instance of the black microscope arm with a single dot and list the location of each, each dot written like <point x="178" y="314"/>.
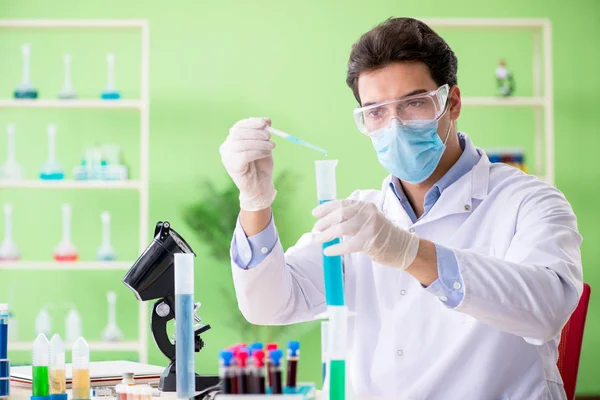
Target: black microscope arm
<point x="163" y="312"/>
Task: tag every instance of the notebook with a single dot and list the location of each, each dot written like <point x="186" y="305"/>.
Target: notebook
<point x="102" y="373"/>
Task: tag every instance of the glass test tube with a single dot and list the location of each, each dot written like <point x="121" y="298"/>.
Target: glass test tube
<point x="41" y="361"/>
<point x="226" y="372"/>
<point x="332" y="266"/>
<point x="81" y="370"/>
<point x="121" y="391"/>
<point x="324" y="344"/>
<point x="270" y="348"/>
<point x="184" y="325"/>
<point x="333" y="273"/>
<point x="293" y="355"/>
<point x="244" y="372"/>
<point x="275" y="357"/>
<point x="58" y="387"/>
<point x="4" y="363"/>
<point x="258" y="371"/>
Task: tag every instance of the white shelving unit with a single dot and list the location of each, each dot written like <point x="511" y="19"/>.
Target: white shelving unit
<point x="66" y="266"/>
<point x="70" y="184"/>
<point x="94" y="346"/>
<point x="542" y="100"/>
<point x="140" y="105"/>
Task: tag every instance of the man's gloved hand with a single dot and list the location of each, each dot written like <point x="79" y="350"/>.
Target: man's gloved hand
<point x="369" y="230"/>
<point x="246" y="155"/>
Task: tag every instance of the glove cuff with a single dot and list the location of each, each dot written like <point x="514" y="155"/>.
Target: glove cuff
<point x="409" y="255"/>
<point x="259" y="201"/>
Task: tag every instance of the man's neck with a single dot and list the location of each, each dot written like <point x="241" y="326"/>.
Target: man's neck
<point x="415" y="192"/>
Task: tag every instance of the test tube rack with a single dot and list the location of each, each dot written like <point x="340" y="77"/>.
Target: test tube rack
<point x="304" y="391"/>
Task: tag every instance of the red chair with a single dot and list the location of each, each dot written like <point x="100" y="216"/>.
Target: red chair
<point x="569" y="348"/>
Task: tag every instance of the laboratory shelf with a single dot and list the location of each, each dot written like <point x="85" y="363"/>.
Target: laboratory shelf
<point x="503" y="101"/>
<point x="70" y="104"/>
<point x="94" y="346"/>
<point x="139" y="106"/>
<point x="76" y="265"/>
<point x="70" y="184"/>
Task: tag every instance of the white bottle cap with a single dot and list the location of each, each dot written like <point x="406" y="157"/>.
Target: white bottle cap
<point x="81" y="354"/>
<point x="3" y="309"/>
<point x="57" y="352"/>
<point x="41" y="351"/>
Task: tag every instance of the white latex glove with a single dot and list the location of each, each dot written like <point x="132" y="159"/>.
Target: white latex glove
<point x="246" y="155"/>
<point x="369" y="230"/>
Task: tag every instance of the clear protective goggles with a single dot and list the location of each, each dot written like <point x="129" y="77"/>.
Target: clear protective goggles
<point x="419" y="107"/>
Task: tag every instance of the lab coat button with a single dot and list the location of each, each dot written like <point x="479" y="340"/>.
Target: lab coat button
<point x="443" y="298"/>
<point x="403" y="292"/>
<point x="412" y="230"/>
<point x="264" y="250"/>
<point x="400" y="353"/>
<point x="456" y="285"/>
<point x="467" y="207"/>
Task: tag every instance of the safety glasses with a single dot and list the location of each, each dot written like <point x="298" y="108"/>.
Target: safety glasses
<point x="419" y="107"/>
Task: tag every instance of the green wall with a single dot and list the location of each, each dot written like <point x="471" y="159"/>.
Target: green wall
<point x="213" y="63"/>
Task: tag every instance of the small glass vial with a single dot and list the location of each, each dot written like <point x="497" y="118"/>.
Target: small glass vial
<point x="128" y="379"/>
<point x="121" y="391"/>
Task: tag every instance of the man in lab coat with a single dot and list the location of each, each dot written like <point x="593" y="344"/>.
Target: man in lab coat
<point x="462" y="273"/>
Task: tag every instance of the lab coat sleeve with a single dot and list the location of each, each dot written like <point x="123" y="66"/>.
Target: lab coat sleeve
<point x="283" y="288"/>
<point x="532" y="291"/>
<point x="449" y="286"/>
<point x="248" y="252"/>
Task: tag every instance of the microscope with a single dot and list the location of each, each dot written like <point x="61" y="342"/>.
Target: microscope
<point x="153" y="277"/>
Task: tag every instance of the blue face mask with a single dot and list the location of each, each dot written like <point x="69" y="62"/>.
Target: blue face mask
<point x="410" y="152"/>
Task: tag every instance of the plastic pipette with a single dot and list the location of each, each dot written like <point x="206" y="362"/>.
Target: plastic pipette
<point x="294" y="139"/>
<point x="8" y="248"/>
<point x="81" y="370"/>
<point x="110" y="93"/>
<point x="112" y="333"/>
<point x="26" y="90"/>
<point x="66" y="250"/>
<point x="41" y="361"/>
<point x="52" y="170"/>
<point x="67" y="91"/>
<point x="11" y="170"/>
<point x="106" y="251"/>
<point x="58" y="388"/>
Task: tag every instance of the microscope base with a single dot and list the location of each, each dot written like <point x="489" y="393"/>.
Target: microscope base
<point x="168" y="380"/>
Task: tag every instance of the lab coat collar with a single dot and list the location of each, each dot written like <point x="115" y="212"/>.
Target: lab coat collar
<point x="456" y="199"/>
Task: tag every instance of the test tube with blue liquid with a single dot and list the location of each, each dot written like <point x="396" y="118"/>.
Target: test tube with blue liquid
<point x="333" y="274"/>
<point x="184" y="325"/>
<point x="4" y="363"/>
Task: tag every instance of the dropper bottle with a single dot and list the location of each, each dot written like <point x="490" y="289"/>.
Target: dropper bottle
<point x="58" y="389"/>
<point x="81" y="370"/>
<point x="40" y="363"/>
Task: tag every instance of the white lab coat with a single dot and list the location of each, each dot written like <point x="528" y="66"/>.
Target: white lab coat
<point x="516" y="242"/>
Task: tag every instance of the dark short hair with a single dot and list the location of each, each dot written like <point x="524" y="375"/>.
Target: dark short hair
<point x="398" y="40"/>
